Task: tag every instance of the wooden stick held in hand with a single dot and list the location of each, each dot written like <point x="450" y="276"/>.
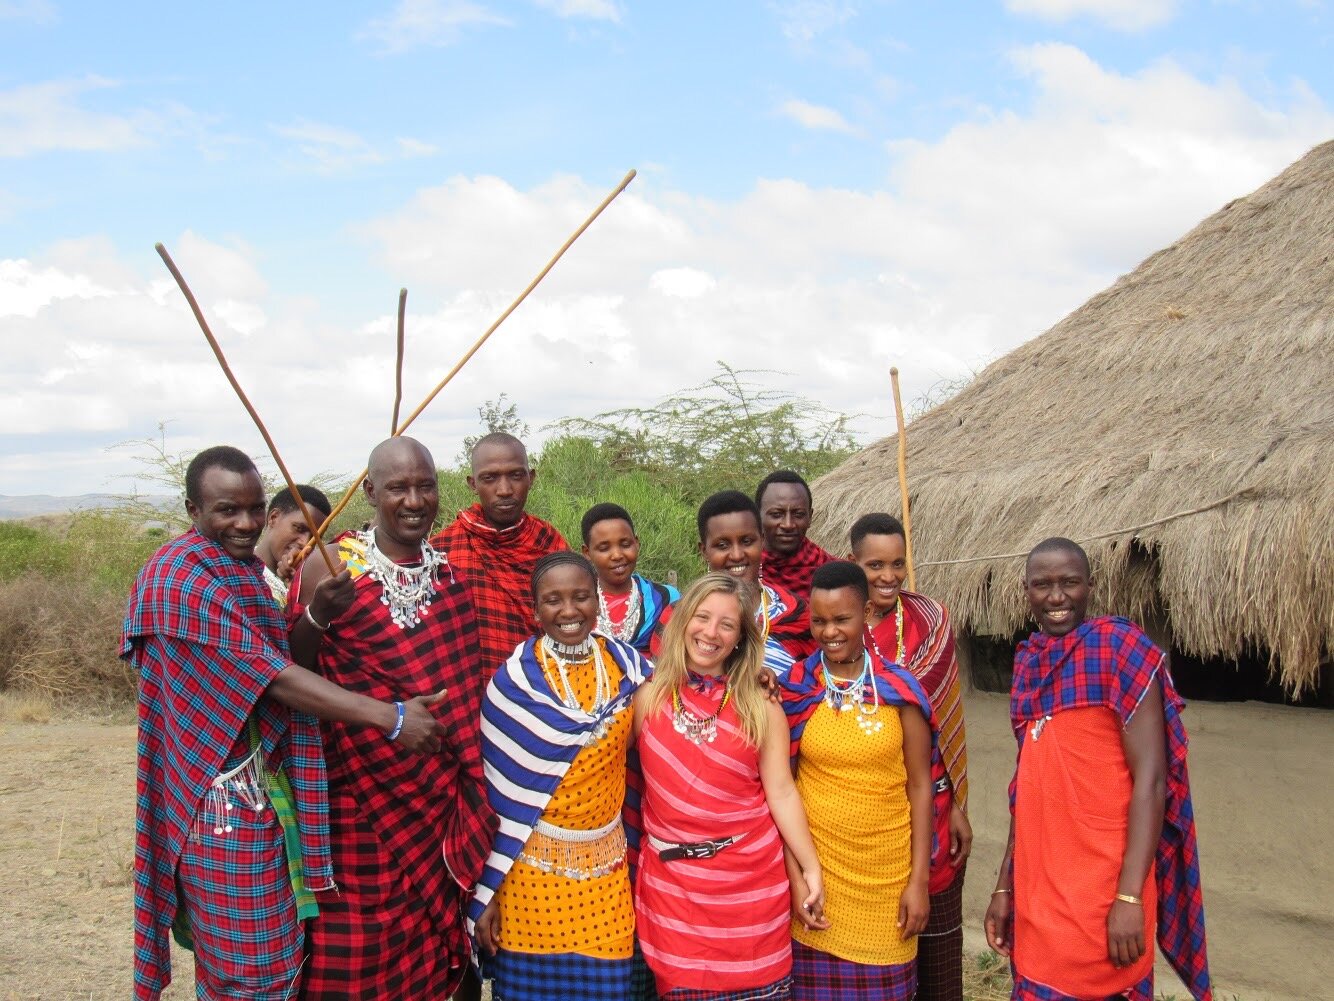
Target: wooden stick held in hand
<point x="625" y="182"/>
<point x="245" y="402"/>
<point x="903" y="477"/>
<point x="398" y="359"/>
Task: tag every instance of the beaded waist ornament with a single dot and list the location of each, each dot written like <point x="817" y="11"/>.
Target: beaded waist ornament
<point x="576" y="854"/>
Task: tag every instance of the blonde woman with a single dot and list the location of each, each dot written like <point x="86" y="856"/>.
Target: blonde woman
<point x="712" y="892"/>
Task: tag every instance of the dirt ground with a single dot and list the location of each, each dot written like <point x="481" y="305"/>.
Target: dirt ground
<point x="1264" y="798"/>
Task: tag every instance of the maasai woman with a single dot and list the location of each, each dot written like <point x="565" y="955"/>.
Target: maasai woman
<point x="629" y="604"/>
<point x="553" y="911"/>
<point x="861" y="735"/>
<point x="914" y="631"/>
<point x="712" y="894"/>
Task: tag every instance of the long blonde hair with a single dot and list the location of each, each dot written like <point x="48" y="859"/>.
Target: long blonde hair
<point x="742" y="667"/>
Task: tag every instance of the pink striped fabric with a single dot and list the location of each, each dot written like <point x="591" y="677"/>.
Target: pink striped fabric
<point x="721" y="922"/>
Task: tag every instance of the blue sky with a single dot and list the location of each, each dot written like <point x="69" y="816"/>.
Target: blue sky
<point x="825" y="189"/>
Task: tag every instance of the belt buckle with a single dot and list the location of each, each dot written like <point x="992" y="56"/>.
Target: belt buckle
<point x="693" y="850"/>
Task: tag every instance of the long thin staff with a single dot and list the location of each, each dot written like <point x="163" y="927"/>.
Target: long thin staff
<point x="398" y="359"/>
<point x="903" y="477"/>
<point x="245" y="401"/>
<point x="625" y="182"/>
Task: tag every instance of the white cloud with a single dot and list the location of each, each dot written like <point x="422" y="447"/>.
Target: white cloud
<point x="977" y="241"/>
<point x="803" y="21"/>
<point x="595" y="10"/>
<point x="815" y="116"/>
<point x="330" y="147"/>
<point x="415" y="23"/>
<point x="1124" y="15"/>
<point x="35" y="118"/>
<point x="409" y="147"/>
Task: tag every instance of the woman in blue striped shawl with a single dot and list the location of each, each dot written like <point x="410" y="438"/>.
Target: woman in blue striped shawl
<point x="553" y="913"/>
<point x="630" y="606"/>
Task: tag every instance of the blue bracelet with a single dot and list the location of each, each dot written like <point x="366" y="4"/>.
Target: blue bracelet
<point x="398" y="727"/>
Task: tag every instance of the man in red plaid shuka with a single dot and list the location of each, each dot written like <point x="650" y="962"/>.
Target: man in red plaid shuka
<point x="494" y="545"/>
<point x="396" y="930"/>
<point x="1102" y="856"/>
<point x="790" y="559"/>
<point x="231" y="816"/>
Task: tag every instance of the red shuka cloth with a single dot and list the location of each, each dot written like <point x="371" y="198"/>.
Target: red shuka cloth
<point x="795" y="572"/>
<point x="396" y="929"/>
<point x="497" y="566"/>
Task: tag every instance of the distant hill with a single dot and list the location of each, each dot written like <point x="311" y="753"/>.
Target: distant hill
<point x="31" y="505"/>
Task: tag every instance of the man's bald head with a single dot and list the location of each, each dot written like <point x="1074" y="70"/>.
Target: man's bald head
<point x="497" y="442"/>
<point x="393" y="452"/>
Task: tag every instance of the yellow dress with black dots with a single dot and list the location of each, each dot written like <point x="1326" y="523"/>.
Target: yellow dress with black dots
<point x="549" y="913"/>
<point x="855" y="789"/>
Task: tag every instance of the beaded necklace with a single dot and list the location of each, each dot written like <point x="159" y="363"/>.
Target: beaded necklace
<point x="898" y="632"/>
<point x="698" y="729"/>
<point x="844" y="695"/>
<point x="764" y="607"/>
<point x="564" y="656"/>
<point x="626" y="630"/>
<point x="406" y="591"/>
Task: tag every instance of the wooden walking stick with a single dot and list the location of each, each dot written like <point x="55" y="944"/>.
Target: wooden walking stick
<point x="245" y="402"/>
<point x="398" y="360"/>
<point x="903" y="477"/>
<point x="338" y="508"/>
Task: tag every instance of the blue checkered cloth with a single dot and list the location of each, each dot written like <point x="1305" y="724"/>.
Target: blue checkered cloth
<point x="553" y="976"/>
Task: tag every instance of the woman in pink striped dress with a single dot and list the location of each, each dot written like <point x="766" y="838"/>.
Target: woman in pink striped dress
<point x="713" y="901"/>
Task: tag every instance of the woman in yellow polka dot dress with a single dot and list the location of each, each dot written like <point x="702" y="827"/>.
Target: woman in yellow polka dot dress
<point x="553" y="913"/>
<point x="862" y="739"/>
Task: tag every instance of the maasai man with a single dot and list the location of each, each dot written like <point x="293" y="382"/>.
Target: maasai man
<point x="285" y="533"/>
<point x="913" y="631"/>
<point x="1102" y="850"/>
<point x="396" y="928"/>
<point x="494" y="545"/>
<point x="784" y="500"/>
<point x="629" y="604"/>
<point x="231" y="812"/>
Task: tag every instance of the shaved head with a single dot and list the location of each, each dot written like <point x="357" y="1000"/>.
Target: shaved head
<point x="497" y="441"/>
<point x="1058" y="545"/>
<point x="393" y="451"/>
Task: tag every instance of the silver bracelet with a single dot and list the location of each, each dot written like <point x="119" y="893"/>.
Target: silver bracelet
<point x="311" y="619"/>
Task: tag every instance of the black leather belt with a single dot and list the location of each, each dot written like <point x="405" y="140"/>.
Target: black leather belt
<point x="691" y="849"/>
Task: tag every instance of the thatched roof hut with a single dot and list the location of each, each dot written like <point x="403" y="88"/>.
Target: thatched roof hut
<point x="1182" y="422"/>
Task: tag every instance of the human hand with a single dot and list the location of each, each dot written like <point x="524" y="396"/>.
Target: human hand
<point x="914" y="908"/>
<point x="421" y="731"/>
<point x="808" y="900"/>
<point x="333" y="596"/>
<point x="999" y="922"/>
<point x="770" y="685"/>
<point x="961" y="836"/>
<point x="1125" y="933"/>
<point x="488" y="928"/>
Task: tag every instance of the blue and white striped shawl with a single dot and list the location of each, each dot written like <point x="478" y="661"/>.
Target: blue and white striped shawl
<point x="529" y="739"/>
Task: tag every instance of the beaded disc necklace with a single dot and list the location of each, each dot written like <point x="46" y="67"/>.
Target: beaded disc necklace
<point x="564" y="656"/>
<point x="698" y="729"/>
<point x="406" y="591"/>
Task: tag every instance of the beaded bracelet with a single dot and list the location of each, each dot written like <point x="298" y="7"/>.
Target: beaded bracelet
<point x="398" y="727"/>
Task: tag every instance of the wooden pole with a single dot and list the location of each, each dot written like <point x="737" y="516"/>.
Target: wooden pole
<point x="245" y="402"/>
<point x="398" y="359"/>
<point x="903" y="477"/>
<point x="625" y="182"/>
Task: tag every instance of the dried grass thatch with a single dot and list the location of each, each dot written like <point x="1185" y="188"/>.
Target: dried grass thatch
<point x="1201" y="382"/>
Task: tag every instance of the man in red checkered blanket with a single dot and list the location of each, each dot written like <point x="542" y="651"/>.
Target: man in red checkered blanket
<point x="396" y="931"/>
<point x="495" y="544"/>
<point x="231" y="813"/>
